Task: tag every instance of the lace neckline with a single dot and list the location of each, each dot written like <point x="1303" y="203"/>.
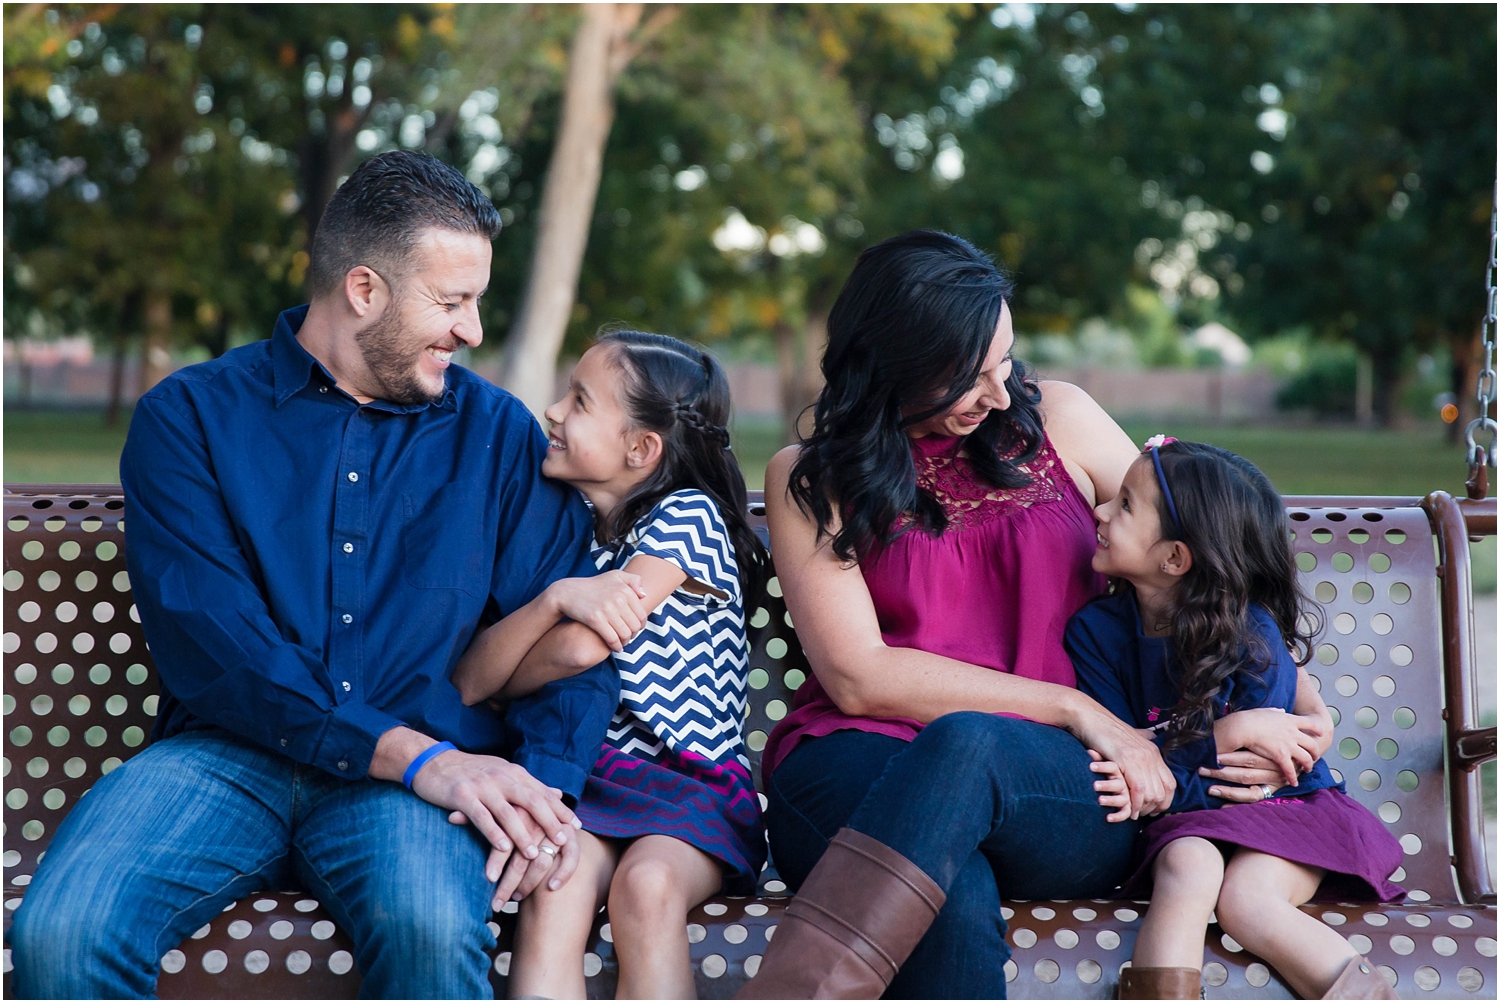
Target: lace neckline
<point x="967" y="500"/>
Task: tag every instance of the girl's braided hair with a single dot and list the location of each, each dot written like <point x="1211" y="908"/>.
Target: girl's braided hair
<point x="680" y="392"/>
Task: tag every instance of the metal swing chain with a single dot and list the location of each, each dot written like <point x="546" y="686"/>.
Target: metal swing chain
<point x="1481" y="458"/>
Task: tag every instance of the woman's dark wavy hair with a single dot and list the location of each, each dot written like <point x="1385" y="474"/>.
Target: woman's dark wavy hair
<point x="907" y="338"/>
<point x="1234" y="524"/>
<point x="681" y="393"/>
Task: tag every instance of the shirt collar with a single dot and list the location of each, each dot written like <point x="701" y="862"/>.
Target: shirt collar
<point x="294" y="367"/>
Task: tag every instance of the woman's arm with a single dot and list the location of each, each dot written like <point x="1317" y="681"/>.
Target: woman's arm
<point x="840" y="634"/>
<point x="569" y="648"/>
<point x="609" y="606"/>
<point x="1094" y="448"/>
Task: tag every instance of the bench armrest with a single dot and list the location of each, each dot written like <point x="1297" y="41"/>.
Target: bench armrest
<point x="1472" y="747"/>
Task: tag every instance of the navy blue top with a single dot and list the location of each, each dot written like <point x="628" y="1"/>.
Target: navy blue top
<point x="1129" y="673"/>
<point x="309" y="569"/>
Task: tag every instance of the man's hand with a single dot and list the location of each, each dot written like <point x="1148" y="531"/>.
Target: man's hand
<point x="611" y="605"/>
<point x="1272" y="734"/>
<point x="1112" y="790"/>
<point x="510" y="807"/>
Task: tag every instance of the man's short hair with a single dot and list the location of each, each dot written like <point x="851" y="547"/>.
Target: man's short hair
<point x="379" y="214"/>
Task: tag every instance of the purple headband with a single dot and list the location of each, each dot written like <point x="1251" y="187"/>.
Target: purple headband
<point x="1153" y="446"/>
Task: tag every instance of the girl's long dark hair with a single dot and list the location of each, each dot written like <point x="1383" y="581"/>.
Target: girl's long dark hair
<point x="682" y="394"/>
<point x="907" y="338"/>
<point x="1234" y="524"/>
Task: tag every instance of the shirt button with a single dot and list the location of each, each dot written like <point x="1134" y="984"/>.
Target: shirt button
<point x="283" y="743"/>
<point x="353" y="477"/>
<point x="348" y="548"/>
<point x="348" y="618"/>
<point x="343" y="764"/>
<point x="347" y="687"/>
<point x="322" y="390"/>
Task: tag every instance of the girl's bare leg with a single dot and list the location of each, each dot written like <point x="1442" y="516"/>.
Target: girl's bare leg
<point x="657" y="881"/>
<point x="1187" y="876"/>
<point x="553" y="928"/>
<point x="1258" y="908"/>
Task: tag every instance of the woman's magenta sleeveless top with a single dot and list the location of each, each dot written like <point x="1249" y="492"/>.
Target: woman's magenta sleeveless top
<point x="996" y="588"/>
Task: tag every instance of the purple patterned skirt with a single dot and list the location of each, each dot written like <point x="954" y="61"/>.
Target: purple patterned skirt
<point x="1326" y="829"/>
<point x="712" y="806"/>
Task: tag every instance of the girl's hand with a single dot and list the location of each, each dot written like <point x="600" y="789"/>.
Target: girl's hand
<point x="1112" y="790"/>
<point x="611" y="605"/>
<point x="1273" y="734"/>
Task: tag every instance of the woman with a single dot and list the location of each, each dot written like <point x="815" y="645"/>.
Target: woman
<point x="932" y="538"/>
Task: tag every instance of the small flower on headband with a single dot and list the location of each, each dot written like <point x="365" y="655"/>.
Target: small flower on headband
<point x="1159" y="440"/>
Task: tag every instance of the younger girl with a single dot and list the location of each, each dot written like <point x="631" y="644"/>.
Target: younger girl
<point x="669" y="813"/>
<point x="1201" y="623"/>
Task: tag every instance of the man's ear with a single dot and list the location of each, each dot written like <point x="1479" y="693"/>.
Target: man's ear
<point x="1179" y="560"/>
<point x="644" y="450"/>
<point x="365" y="291"/>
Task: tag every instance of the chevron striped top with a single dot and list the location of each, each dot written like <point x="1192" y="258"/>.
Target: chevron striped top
<point x="683" y="677"/>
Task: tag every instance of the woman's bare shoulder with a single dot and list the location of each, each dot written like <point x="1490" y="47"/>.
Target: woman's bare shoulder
<point x="1068" y="402"/>
<point x="779" y="469"/>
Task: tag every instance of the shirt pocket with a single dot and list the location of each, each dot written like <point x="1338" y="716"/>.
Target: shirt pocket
<point x="446" y="542"/>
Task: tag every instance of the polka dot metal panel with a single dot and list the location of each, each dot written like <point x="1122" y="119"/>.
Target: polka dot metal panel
<point x="1378" y="664"/>
<point x="284" y="945"/>
<point x="80" y="693"/>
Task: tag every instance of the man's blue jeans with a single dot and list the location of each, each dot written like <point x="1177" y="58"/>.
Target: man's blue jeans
<point x="984" y="805"/>
<point x="161" y="845"/>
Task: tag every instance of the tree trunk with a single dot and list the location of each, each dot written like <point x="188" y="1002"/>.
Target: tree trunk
<point x="567" y="206"/>
<point x="116" y="379"/>
<point x="1384" y="392"/>
<point x="1464" y="376"/>
<point x="156" y="346"/>
<point x="799" y="369"/>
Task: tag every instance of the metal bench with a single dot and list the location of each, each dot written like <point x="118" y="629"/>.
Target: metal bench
<point x="1396" y="667"/>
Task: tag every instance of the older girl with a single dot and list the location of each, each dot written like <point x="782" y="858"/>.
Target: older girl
<point x="670" y="815"/>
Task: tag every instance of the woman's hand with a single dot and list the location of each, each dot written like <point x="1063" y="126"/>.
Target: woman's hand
<point x="1112" y="790"/>
<point x="612" y="605"/>
<point x="1148" y="780"/>
<point x="1242" y="793"/>
<point x="1272" y="734"/>
<point x="1246" y="768"/>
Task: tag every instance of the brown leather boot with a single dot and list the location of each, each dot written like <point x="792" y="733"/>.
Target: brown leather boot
<point x="1360" y="981"/>
<point x="1161" y="983"/>
<point x="857" y="917"/>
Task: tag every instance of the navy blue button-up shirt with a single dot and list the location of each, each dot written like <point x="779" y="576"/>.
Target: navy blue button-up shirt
<point x="309" y="569"/>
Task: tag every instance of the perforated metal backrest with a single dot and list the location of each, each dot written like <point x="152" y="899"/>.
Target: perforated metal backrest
<point x="81" y="692"/>
<point x="1379" y="666"/>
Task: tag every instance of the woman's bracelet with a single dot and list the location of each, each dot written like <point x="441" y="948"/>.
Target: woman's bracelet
<point x="428" y="753"/>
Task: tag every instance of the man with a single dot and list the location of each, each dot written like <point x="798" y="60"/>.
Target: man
<point x="317" y="524"/>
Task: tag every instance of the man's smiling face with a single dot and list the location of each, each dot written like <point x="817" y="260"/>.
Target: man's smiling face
<point x="434" y="311"/>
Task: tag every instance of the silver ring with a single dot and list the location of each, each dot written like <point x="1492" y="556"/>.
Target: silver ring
<point x="1266" y="790"/>
<point x="550" y="851"/>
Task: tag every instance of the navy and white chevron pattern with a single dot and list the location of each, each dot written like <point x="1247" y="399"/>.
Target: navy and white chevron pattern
<point x="684" y="676"/>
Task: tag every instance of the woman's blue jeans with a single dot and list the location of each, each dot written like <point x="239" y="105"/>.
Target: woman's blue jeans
<point x="161" y="845"/>
<point x="987" y="806"/>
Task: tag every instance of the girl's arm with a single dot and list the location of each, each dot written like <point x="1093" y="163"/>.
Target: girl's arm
<point x="608" y="606"/>
<point x="840" y="634"/>
<point x="570" y="648"/>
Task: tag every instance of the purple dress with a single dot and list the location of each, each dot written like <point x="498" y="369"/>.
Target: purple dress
<point x="996" y="588"/>
<point x="1313" y="823"/>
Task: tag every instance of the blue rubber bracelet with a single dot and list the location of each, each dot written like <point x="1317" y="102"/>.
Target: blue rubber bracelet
<point x="421" y="761"/>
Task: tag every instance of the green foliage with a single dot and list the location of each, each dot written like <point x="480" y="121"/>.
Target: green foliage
<point x="1324" y="384"/>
